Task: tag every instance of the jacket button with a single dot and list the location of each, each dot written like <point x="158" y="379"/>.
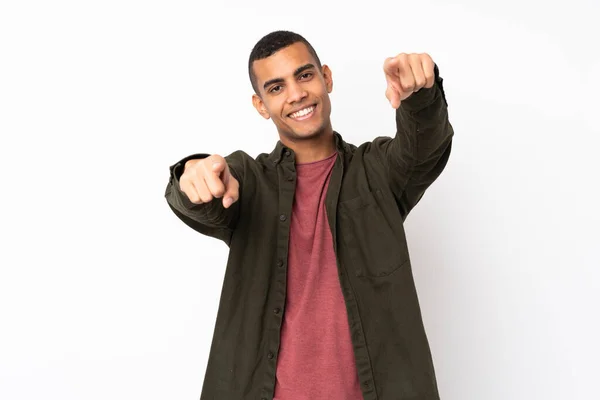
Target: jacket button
<point x="277" y="310"/>
<point x="282" y="217"/>
<point x="290" y="178"/>
<point x="287" y="153"/>
<point x="270" y="355"/>
<point x="280" y="263"/>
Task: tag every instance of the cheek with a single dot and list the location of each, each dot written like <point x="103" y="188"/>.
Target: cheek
<point x="275" y="108"/>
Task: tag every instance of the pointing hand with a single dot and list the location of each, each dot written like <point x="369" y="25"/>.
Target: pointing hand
<point x="406" y="74"/>
<point x="208" y="178"/>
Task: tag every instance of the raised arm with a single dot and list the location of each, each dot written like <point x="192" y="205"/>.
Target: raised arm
<point x="420" y="150"/>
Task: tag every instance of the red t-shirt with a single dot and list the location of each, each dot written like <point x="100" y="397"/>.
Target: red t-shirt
<point x="316" y="359"/>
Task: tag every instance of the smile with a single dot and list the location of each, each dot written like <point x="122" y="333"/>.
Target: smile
<point x="303" y="114"/>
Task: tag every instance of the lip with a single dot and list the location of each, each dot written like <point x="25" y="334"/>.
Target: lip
<point x="306" y="116"/>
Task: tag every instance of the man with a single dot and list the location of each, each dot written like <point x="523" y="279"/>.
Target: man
<point x="318" y="299"/>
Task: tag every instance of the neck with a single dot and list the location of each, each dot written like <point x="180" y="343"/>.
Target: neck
<point x="313" y="149"/>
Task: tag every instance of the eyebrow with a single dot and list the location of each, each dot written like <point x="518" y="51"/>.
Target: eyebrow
<point x="297" y="72"/>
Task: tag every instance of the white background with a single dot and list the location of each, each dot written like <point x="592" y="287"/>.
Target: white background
<point x="105" y="294"/>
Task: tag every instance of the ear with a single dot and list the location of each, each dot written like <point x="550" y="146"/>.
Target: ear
<point x="260" y="106"/>
<point x="327" y="76"/>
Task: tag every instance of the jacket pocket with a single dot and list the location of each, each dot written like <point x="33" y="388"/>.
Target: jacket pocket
<point x="374" y="247"/>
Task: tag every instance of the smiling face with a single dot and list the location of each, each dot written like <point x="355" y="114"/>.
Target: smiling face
<point x="294" y="93"/>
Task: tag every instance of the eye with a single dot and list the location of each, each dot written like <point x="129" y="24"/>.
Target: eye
<point x="275" y="89"/>
<point x="306" y="75"/>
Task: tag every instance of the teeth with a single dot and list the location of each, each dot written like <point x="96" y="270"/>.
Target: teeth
<point x="303" y="112"/>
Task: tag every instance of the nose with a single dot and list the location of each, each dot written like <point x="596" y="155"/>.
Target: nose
<point x="296" y="93"/>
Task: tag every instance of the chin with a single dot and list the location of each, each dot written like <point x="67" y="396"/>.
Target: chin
<point x="308" y="135"/>
<point x="309" y="132"/>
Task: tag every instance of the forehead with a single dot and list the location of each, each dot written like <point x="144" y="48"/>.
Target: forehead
<point x="283" y="63"/>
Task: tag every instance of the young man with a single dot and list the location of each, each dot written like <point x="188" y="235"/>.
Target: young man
<point x="318" y="300"/>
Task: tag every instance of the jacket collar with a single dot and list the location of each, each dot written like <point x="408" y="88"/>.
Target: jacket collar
<point x="281" y="151"/>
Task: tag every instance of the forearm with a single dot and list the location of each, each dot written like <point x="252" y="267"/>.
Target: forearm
<point x="419" y="152"/>
<point x="423" y="128"/>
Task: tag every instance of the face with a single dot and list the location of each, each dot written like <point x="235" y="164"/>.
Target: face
<point x="294" y="93"/>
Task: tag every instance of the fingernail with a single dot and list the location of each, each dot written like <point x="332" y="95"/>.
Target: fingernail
<point x="227" y="202"/>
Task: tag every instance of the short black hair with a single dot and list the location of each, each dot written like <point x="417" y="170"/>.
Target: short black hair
<point x="270" y="44"/>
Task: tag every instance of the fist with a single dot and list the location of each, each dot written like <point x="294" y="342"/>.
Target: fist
<point x="209" y="178"/>
<point x="406" y="74"/>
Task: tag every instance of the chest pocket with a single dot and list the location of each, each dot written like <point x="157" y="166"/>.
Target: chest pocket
<point x="374" y="247"/>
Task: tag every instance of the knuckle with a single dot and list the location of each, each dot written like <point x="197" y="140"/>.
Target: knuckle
<point x="184" y="179"/>
<point x="193" y="196"/>
<point x="191" y="165"/>
<point x="206" y="197"/>
<point x="218" y="192"/>
<point x="408" y="85"/>
<point x="192" y="172"/>
<point x="207" y="162"/>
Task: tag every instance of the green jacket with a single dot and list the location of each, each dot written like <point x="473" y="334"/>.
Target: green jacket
<point x="373" y="187"/>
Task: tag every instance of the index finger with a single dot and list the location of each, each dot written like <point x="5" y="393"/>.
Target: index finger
<point x="213" y="179"/>
<point x="398" y="74"/>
